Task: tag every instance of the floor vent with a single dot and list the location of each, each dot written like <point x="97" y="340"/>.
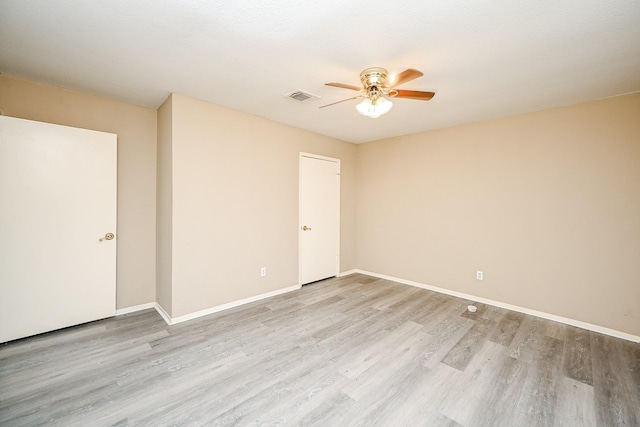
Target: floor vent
<point x="302" y="96"/>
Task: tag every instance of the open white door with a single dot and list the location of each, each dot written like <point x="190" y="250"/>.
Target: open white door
<point x="319" y="217"/>
<point x="57" y="217"/>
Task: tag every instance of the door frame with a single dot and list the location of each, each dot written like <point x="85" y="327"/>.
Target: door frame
<point x="338" y="180"/>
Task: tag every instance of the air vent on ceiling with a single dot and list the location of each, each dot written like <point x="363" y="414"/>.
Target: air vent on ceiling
<point x="302" y="96"/>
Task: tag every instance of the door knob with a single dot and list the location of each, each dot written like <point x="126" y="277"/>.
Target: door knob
<point x="305" y="228"/>
<point x="108" y="236"/>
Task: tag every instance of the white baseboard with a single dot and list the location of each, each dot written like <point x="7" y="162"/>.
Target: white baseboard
<point x="541" y="314"/>
<point x="135" y="308"/>
<point x="346" y="273"/>
<point x="163" y="314"/>
<point x="231" y="304"/>
<point x="146" y="306"/>
<point x="173" y="320"/>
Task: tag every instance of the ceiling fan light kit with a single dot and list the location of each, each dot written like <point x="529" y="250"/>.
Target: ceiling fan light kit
<point x="374" y="109"/>
<point x="376" y="88"/>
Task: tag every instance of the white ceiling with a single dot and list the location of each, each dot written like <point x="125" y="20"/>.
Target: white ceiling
<point x="484" y="59"/>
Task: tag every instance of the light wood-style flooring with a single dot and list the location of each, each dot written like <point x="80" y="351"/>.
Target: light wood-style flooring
<point x="347" y="351"/>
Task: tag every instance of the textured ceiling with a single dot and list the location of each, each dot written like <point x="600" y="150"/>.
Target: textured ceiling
<point x="484" y="59"/>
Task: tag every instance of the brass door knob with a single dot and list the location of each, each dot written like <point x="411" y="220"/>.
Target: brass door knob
<point x="305" y="228"/>
<point x="108" y="236"/>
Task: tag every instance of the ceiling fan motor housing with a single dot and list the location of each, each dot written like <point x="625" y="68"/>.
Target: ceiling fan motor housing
<point x="372" y="79"/>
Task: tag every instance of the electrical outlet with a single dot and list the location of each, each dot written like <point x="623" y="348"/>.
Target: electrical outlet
<point x="479" y="275"/>
<point x="263" y="271"/>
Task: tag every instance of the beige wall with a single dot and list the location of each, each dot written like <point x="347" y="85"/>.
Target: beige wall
<point x="136" y="129"/>
<point x="235" y="203"/>
<point x="547" y="204"/>
<point x="164" y="207"/>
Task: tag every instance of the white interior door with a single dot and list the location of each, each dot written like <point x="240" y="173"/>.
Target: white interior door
<point x="319" y="217"/>
<point x="57" y="200"/>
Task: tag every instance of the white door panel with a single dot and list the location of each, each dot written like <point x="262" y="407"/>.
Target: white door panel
<point x="320" y="214"/>
<point x="57" y="200"/>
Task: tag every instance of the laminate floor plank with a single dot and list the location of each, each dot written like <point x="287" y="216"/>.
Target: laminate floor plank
<point x="425" y="404"/>
<point x="405" y="310"/>
<point x="446" y="334"/>
<point x="465" y="349"/>
<point x="434" y="307"/>
<point x="401" y="293"/>
<point x="439" y="420"/>
<point x="379" y="348"/>
<point x="63" y="342"/>
<point x="302" y="400"/>
<point x="449" y="309"/>
<point x="298" y="381"/>
<point x="186" y="391"/>
<point x="539" y="394"/>
<point x="348" y="351"/>
<point x="507" y="328"/>
<point x="330" y="412"/>
<point x="381" y="374"/>
<point x="60" y="375"/>
<point x="324" y="353"/>
<point x="526" y="342"/>
<point x="555" y="329"/>
<point x="496" y="314"/>
<point x="413" y="398"/>
<point x="575" y="405"/>
<point x="487" y="391"/>
<point x="60" y="338"/>
<point x="392" y="395"/>
<point x="577" y="358"/>
<point x="364" y="279"/>
<point x="617" y="401"/>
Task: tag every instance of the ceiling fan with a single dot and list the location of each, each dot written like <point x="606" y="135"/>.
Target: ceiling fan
<point x="377" y="87"/>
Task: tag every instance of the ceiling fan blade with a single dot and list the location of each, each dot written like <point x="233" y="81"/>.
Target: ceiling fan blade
<point x="403" y="77"/>
<point x="415" y="94"/>
<point x="334" y="103"/>
<point x="344" y="86"/>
